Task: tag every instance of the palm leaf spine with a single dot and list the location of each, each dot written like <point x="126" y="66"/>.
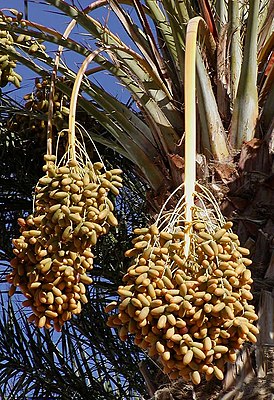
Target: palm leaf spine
<point x="212" y="132"/>
<point x="235" y="47"/>
<point x="245" y="112"/>
<point x="221" y="10"/>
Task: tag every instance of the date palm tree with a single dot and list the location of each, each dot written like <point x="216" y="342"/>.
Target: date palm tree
<point x="234" y="76"/>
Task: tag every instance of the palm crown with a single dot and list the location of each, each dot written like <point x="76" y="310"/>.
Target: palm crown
<point x="234" y="79"/>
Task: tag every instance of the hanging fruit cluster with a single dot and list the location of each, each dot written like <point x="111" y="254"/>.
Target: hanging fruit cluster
<point x="54" y="252"/>
<point x="9" y="40"/>
<point x="38" y="99"/>
<point x="192" y="313"/>
<point x="38" y="102"/>
<point x="7" y="63"/>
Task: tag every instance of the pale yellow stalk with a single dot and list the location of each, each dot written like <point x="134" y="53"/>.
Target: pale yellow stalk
<point x="190" y="123"/>
<point x="73" y="102"/>
<point x="52" y="87"/>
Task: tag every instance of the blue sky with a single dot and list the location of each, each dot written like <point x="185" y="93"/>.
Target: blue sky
<point x="50" y="17"/>
<point x="40" y="12"/>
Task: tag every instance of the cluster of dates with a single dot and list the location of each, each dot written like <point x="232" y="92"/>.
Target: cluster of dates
<point x="192" y="313"/>
<point x="54" y="252"/>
